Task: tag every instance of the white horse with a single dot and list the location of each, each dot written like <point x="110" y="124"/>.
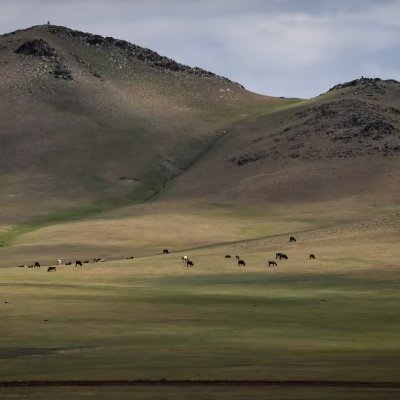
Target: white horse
<point x="58" y="262"/>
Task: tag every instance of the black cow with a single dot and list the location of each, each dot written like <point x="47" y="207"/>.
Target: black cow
<point x="272" y="264"/>
<point x="228" y="256"/>
<point x="37" y="264"/>
<point x="78" y="263"/>
<point x="241" y="263"/>
<point x="51" y="269"/>
<point x="189" y="263"/>
<point x="292" y="239"/>
<point x="68" y="263"/>
<point x="312" y="257"/>
<point x="281" y="256"/>
<point x="165" y="251"/>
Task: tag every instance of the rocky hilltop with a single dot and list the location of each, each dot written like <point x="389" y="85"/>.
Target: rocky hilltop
<point x="40" y="48"/>
<point x="363" y="120"/>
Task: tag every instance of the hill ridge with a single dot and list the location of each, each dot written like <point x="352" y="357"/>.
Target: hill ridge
<point x="148" y="56"/>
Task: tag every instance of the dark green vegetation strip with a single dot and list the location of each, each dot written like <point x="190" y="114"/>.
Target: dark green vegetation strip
<point x="189" y="382"/>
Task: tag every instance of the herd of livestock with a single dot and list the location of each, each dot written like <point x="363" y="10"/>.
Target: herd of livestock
<point x="186" y="261"/>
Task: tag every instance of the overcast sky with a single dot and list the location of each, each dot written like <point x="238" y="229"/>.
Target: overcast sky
<point x="293" y="48"/>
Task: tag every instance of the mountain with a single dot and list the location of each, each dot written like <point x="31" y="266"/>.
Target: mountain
<point x="108" y="148"/>
<point x="343" y="144"/>
<point x="92" y="122"/>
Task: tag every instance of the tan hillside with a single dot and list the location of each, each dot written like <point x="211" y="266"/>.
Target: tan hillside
<point x="343" y="144"/>
<point x="95" y="122"/>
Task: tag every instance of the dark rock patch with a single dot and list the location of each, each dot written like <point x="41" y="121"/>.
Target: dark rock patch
<point x="368" y="86"/>
<point x="393" y="110"/>
<point x="247" y="158"/>
<point x="36" y="48"/>
<point x="95" y="39"/>
<point x="60" y="71"/>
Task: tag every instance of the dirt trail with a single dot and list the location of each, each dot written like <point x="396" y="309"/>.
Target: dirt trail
<point x="178" y="383"/>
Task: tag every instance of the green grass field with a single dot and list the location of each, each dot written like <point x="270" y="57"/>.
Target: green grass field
<point x="335" y="318"/>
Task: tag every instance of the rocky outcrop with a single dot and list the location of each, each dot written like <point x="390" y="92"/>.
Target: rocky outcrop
<point x="36" y="48"/>
<point x="376" y="84"/>
<point x="39" y="48"/>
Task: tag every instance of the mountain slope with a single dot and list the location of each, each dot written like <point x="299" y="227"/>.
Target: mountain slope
<point x="97" y="122"/>
<point x="345" y="143"/>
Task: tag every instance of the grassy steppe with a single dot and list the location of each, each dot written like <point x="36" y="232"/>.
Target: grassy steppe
<point x="335" y="318"/>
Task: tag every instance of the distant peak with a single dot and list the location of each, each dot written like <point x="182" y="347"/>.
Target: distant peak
<point x="363" y="82"/>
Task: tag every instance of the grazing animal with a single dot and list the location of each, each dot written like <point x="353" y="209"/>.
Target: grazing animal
<point x="228" y="256"/>
<point x="21" y="266"/>
<point x="241" y="263"/>
<point x="86" y="262"/>
<point x="68" y="263"/>
<point x="312" y="257"/>
<point x="272" y="264"/>
<point x="165" y="251"/>
<point x="292" y="239"/>
<point x="128" y="258"/>
<point x="281" y="256"/>
<point x="30" y="266"/>
<point x="189" y="263"/>
<point x="58" y="262"/>
<point x="185" y="259"/>
<point x="78" y="263"/>
<point x="237" y="257"/>
<point x="51" y="269"/>
<point x="37" y="264"/>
